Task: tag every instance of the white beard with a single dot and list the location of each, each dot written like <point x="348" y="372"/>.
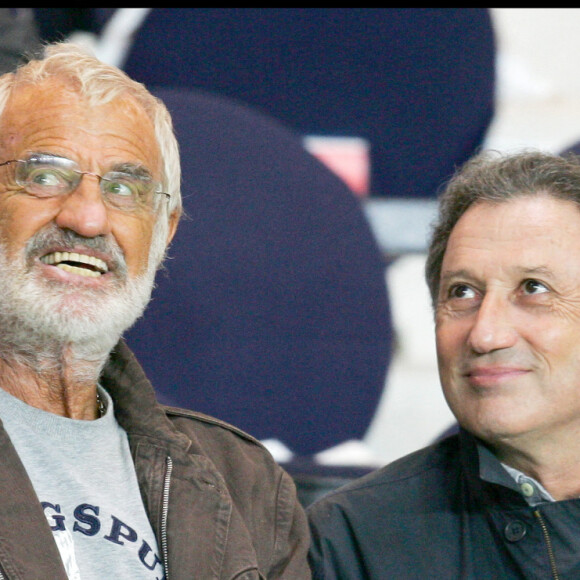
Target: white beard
<point x="39" y="317"/>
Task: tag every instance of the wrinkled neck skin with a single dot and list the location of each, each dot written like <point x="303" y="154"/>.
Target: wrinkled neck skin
<point x="59" y="378"/>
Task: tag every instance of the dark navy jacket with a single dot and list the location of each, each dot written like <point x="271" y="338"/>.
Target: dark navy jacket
<point x="431" y="516"/>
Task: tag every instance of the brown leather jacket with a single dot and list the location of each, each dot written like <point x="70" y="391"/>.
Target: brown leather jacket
<point x="219" y="505"/>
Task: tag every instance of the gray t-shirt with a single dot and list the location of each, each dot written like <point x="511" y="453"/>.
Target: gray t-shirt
<point x="84" y="477"/>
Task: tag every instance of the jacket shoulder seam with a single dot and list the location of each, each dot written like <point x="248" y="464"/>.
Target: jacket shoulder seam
<point x="209" y="420"/>
<point x="382" y="477"/>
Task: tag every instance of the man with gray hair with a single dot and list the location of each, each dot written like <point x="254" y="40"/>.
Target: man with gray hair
<point x="98" y="480"/>
<point x="500" y="498"/>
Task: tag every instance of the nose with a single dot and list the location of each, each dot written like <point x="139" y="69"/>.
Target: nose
<point x="494" y="325"/>
<point x="84" y="210"/>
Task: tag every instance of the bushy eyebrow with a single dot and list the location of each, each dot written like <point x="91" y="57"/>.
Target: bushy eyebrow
<point x="453" y="274"/>
<point x="134" y="169"/>
<point x="543" y="271"/>
<point x="521" y="271"/>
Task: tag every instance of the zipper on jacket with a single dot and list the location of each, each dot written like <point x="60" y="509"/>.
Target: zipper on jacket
<point x="551" y="556"/>
<point x="164" y="512"/>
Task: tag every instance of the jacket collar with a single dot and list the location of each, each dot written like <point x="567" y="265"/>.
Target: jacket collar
<point x="136" y="407"/>
<point x="485" y="475"/>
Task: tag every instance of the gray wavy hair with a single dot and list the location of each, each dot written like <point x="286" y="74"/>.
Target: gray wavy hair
<point x="492" y="177"/>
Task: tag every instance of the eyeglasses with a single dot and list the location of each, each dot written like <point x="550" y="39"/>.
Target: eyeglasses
<point x="129" y="188"/>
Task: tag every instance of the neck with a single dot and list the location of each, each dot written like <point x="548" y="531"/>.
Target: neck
<point x="59" y="383"/>
<point x="555" y="464"/>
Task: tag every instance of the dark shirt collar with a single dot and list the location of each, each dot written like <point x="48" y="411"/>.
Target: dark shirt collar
<point x="493" y="471"/>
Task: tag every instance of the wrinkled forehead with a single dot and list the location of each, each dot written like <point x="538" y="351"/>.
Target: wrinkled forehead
<point x="61" y="94"/>
<point x="530" y="230"/>
<point x="53" y="116"/>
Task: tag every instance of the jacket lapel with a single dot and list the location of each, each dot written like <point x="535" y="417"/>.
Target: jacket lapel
<point x="27" y="546"/>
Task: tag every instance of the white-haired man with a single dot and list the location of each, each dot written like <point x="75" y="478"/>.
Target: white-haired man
<point x="98" y="480"/>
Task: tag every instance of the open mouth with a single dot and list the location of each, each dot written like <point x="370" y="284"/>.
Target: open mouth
<point x="76" y="263"/>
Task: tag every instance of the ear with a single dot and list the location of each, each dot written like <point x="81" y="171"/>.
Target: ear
<point x="173" y="221"/>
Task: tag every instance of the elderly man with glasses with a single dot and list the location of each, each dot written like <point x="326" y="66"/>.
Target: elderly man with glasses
<point x="98" y="480"/>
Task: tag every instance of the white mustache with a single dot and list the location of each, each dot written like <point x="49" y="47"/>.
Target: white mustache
<point x="52" y="236"/>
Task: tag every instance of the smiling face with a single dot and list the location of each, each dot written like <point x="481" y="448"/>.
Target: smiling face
<point x="508" y="320"/>
<point x="73" y="264"/>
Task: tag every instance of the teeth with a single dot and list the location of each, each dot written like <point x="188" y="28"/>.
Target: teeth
<point x="62" y="260"/>
<point x="80" y="271"/>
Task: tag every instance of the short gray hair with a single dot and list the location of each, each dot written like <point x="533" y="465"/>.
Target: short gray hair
<point x="492" y="177"/>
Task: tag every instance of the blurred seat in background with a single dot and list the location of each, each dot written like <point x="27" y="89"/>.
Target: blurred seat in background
<point x="19" y="37"/>
<point x="55" y="24"/>
<point x="572" y="148"/>
<point x="416" y="83"/>
<point x="273" y="313"/>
